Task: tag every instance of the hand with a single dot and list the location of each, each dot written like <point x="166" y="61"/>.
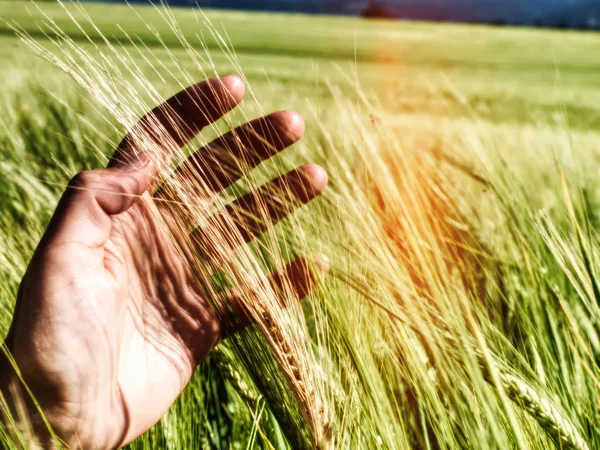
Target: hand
<point x="110" y="323"/>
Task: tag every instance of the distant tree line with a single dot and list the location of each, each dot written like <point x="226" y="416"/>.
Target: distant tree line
<point x="376" y="10"/>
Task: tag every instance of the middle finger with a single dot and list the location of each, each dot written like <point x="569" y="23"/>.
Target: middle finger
<point x="226" y="159"/>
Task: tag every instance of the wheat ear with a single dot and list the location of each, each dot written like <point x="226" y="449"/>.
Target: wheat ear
<point x="540" y="408"/>
<point x="310" y="403"/>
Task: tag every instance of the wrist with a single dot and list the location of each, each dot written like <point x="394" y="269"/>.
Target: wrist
<point x="19" y="415"/>
<point x="7" y="388"/>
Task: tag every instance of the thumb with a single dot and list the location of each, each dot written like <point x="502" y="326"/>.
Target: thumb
<point x="83" y="214"/>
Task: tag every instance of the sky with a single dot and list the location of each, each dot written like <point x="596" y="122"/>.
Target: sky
<point x="508" y="10"/>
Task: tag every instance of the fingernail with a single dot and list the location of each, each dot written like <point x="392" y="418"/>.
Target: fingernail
<point x="322" y="262"/>
<point x="134" y="163"/>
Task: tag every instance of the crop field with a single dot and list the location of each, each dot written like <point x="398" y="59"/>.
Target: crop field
<point x="463" y="306"/>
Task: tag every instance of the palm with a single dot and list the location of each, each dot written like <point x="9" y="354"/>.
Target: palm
<point x="110" y="322"/>
<point x="168" y="326"/>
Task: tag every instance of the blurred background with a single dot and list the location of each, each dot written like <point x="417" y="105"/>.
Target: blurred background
<point x="582" y="14"/>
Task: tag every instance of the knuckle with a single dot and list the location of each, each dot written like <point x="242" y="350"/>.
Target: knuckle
<point x="116" y="188"/>
<point x="112" y="190"/>
<point x="83" y="179"/>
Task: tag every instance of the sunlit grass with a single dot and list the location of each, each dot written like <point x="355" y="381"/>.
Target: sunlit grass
<point x="461" y="309"/>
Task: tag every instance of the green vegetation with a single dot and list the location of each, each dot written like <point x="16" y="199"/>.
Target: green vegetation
<point x="462" y="306"/>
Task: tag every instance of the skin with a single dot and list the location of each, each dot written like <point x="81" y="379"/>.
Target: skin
<point x="110" y="323"/>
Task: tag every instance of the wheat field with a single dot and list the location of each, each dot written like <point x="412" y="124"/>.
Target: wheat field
<point x="462" y="307"/>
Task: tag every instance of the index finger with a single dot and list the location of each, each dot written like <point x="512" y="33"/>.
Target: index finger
<point x="175" y="122"/>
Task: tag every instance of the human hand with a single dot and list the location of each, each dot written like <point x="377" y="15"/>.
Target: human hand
<point x="110" y="322"/>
